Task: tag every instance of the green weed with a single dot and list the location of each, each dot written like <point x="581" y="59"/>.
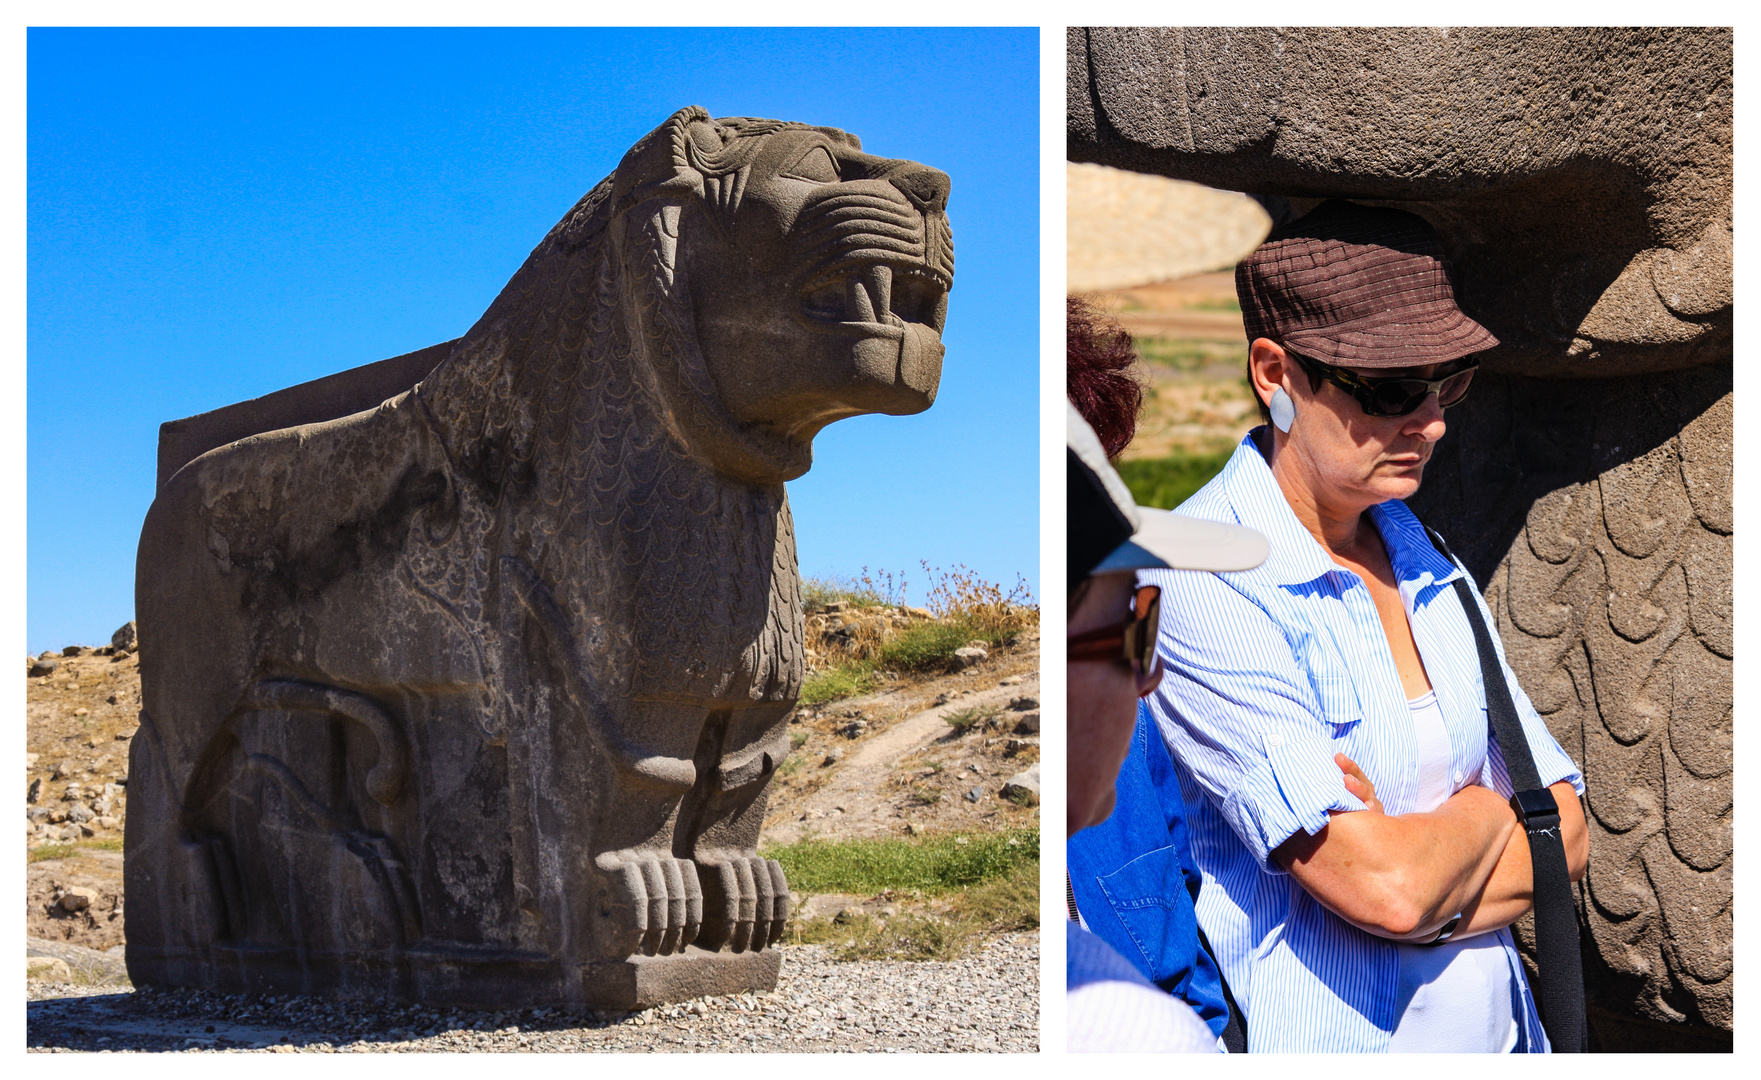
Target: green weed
<point x="875" y="589"/>
<point x="927" y="645"/>
<point x="1188" y="355"/>
<point x="1008" y="901"/>
<point x="1167" y="482"/>
<point x="936" y="865"/>
<point x="69" y="850"/>
<point x="845" y="680"/>
<point x="1215" y="305"/>
<point x="963" y="720"/>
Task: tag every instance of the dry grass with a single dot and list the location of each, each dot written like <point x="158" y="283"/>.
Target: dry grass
<point x="961" y="720"/>
<point x="875" y="637"/>
<point x="68" y="850"/>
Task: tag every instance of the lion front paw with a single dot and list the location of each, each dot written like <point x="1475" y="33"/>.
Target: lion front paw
<point x="745" y="903"/>
<point x="655" y="904"/>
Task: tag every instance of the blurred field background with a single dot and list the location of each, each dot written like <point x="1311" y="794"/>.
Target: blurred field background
<point x="1158" y="255"/>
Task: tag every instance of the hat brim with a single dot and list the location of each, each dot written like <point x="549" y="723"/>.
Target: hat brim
<point x="1423" y="338"/>
<point x="1174" y="541"/>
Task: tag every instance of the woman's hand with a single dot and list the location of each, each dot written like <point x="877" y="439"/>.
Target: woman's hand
<point x="1510" y="892"/>
<point x="1358" y="784"/>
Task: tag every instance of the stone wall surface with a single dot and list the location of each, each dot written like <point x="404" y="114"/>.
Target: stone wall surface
<point x="1580" y="180"/>
<point x="472" y="694"/>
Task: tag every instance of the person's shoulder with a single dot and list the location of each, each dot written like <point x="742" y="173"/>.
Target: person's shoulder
<point x="1114" y="1009"/>
<point x="1088" y="958"/>
<point x="1123" y="1017"/>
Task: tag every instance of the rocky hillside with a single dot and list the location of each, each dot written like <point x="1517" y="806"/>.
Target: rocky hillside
<point x="81" y="709"/>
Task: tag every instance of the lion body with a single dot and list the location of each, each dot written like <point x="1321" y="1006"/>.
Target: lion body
<point x="488" y="681"/>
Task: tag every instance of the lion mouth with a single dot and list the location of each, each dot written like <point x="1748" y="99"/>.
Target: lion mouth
<point x="872" y="296"/>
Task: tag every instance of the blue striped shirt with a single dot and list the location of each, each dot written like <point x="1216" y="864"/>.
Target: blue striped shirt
<point x="1113" y="1009"/>
<point x="1272" y="671"/>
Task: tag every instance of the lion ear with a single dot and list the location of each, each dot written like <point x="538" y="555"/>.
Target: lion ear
<point x="843" y="136"/>
<point x="657" y="165"/>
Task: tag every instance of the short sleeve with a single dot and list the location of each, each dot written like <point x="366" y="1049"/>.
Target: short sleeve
<point x="1241" y="717"/>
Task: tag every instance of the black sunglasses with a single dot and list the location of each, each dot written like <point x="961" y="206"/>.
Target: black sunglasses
<point x="1396" y="395"/>
<point x="1133" y="640"/>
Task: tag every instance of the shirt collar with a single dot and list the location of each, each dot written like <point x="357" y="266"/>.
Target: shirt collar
<point x="1259" y="503"/>
<point x="1296" y="558"/>
<point x="1419" y="568"/>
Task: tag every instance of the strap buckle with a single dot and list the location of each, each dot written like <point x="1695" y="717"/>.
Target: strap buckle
<point x="1536" y="809"/>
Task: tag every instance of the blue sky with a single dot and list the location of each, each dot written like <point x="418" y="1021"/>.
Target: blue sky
<point x="217" y="214"/>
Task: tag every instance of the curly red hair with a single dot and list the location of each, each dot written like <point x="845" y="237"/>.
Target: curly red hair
<point x="1098" y="378"/>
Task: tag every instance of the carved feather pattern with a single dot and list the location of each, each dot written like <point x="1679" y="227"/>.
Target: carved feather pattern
<point x="1614" y="603"/>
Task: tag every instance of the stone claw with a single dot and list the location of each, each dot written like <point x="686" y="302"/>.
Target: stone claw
<point x="746" y="903"/>
<point x="655" y="905"/>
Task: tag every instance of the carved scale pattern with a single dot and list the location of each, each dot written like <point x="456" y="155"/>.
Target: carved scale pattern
<point x="1614" y="604"/>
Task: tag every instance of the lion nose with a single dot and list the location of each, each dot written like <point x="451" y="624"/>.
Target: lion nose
<point x="927" y="188"/>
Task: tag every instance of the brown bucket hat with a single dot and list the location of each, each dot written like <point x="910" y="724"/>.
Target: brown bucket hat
<point x="1356" y="286"/>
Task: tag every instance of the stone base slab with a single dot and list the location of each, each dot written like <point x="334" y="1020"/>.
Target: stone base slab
<point x="472" y="979"/>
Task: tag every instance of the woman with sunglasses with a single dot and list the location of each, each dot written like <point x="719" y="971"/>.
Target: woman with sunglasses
<point x="1349" y="813"/>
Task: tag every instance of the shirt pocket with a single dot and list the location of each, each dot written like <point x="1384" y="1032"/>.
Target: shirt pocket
<point x="1151" y="897"/>
<point x="1339" y="706"/>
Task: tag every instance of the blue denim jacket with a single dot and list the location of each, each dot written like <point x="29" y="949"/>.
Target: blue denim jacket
<point x="1134" y="879"/>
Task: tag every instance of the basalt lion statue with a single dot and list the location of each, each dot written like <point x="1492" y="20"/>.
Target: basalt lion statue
<point x="474" y="696"/>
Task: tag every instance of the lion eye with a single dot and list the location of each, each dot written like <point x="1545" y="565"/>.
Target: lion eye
<point x="816" y="165"/>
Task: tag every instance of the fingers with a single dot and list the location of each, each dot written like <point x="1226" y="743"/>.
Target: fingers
<point x="675" y="906"/>
<point x="745" y="903"/>
<point x="693" y="902"/>
<point x="764" y="902"/>
<point x="654" y="880"/>
<point x="1357" y="783"/>
<point x="656" y="906"/>
<point x="746" y="907"/>
<point x="780" y="913"/>
<point x="629" y="909"/>
<point x="721" y="903"/>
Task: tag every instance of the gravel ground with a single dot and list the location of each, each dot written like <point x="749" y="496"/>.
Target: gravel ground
<point x="986" y="1002"/>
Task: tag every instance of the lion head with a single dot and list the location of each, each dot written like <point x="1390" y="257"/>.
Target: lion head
<point x="759" y="279"/>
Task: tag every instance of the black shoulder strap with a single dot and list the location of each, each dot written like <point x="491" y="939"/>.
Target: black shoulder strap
<point x="1560" y="997"/>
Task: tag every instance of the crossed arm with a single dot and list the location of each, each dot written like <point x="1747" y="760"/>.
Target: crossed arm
<point x="1404" y="877"/>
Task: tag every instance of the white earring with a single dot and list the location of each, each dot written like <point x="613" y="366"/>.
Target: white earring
<point x="1283" y="410"/>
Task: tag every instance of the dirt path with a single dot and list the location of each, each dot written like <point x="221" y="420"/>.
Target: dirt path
<point x="902" y="776"/>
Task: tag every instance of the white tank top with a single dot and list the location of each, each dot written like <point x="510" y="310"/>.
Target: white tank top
<point x="1457" y="997"/>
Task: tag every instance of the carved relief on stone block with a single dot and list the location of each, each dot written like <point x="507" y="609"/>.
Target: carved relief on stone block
<point x="1614" y="604"/>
